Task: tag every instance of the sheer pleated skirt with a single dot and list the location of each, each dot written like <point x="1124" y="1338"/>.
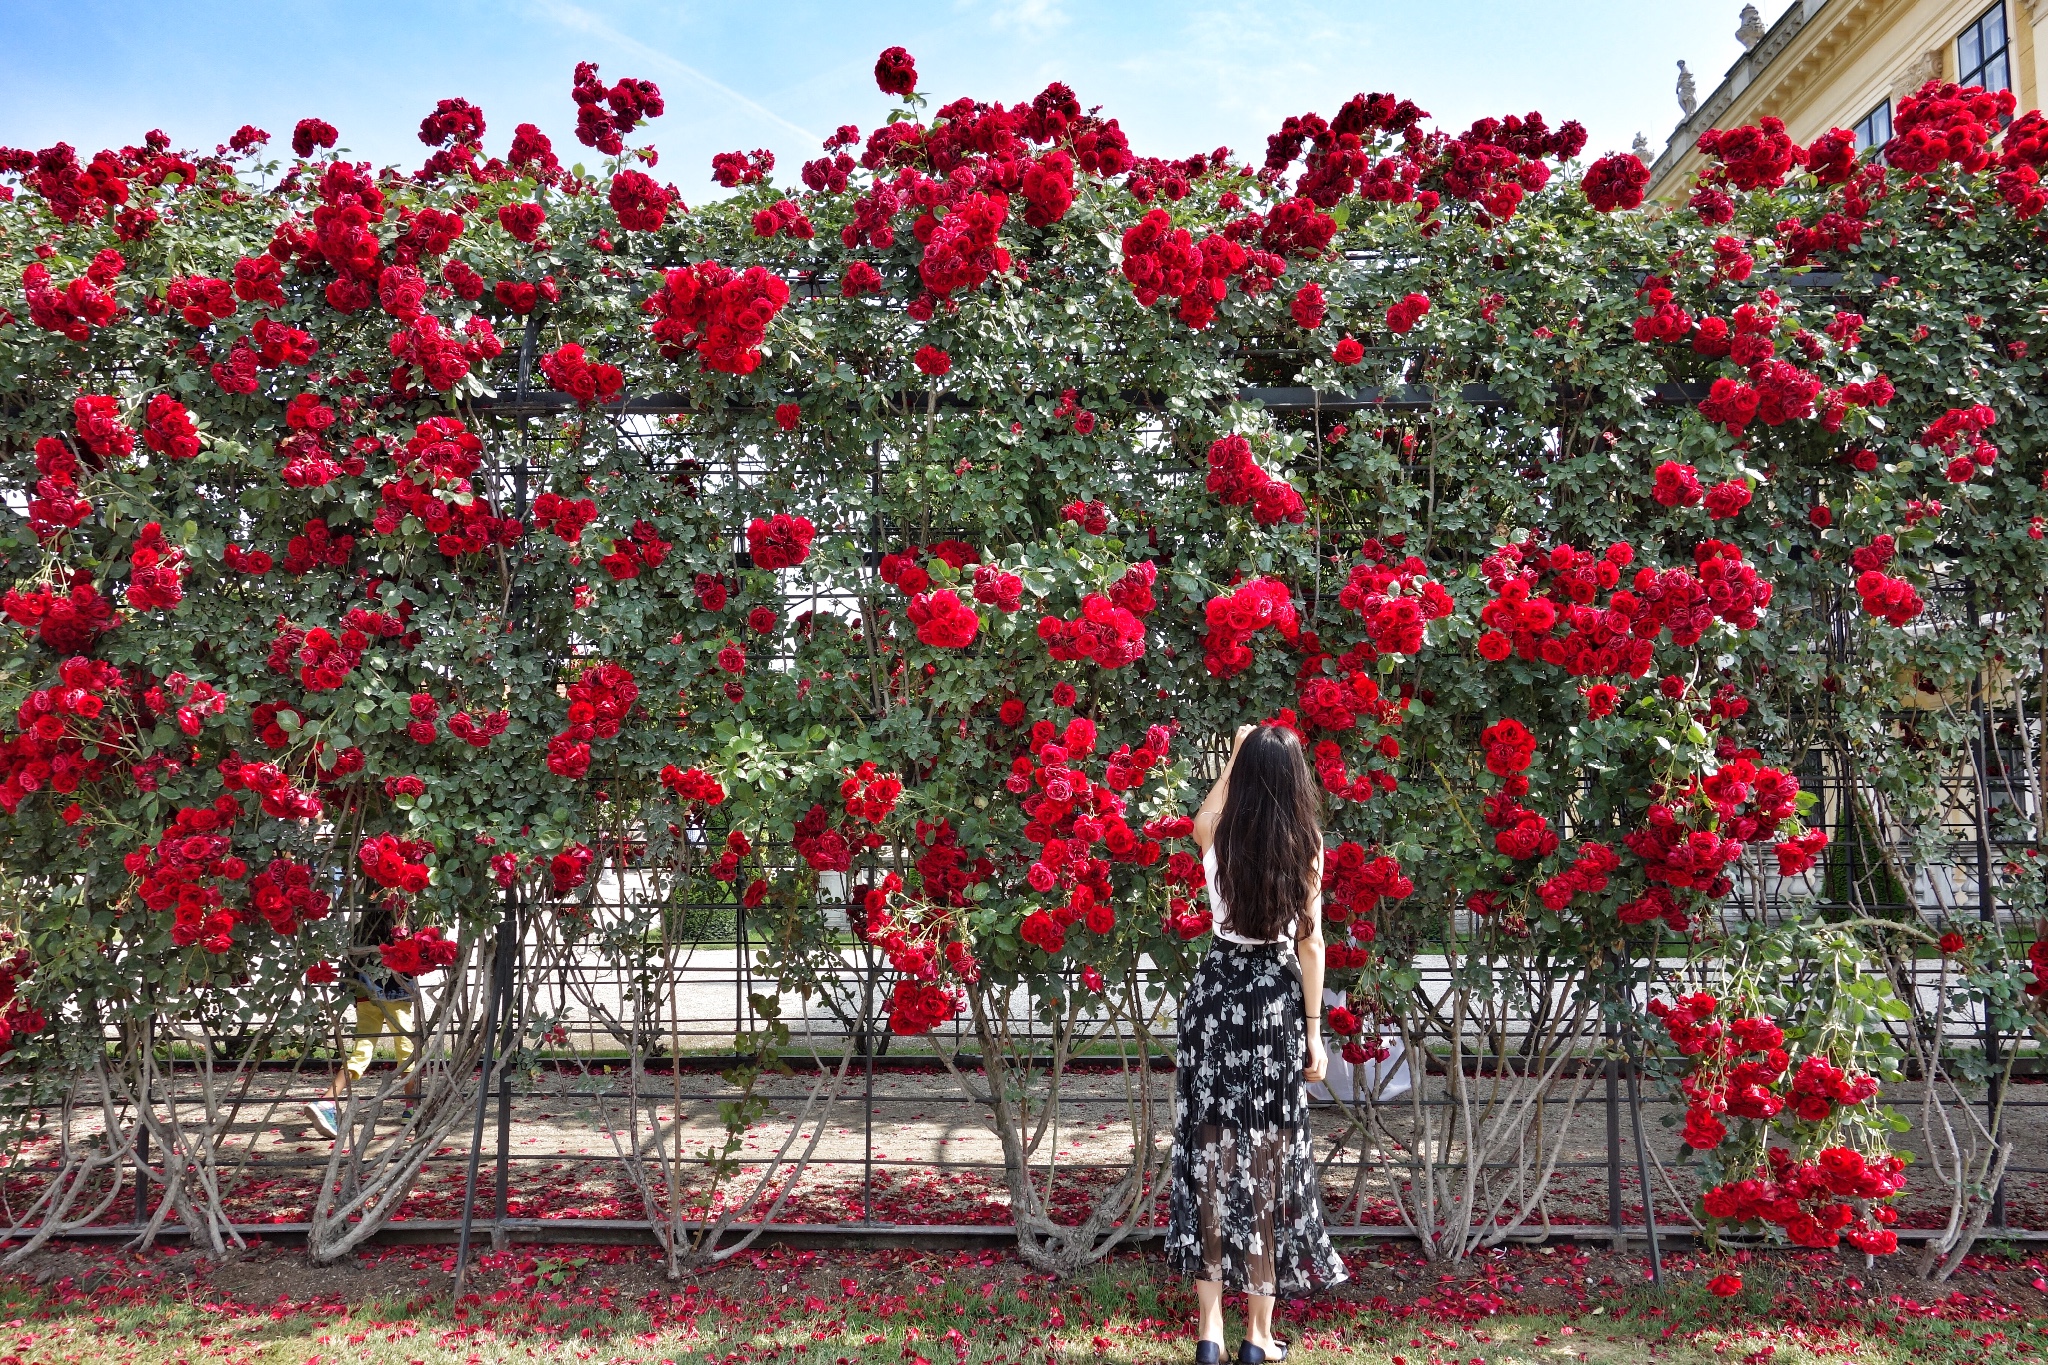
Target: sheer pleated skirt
<point x="1244" y="1206"/>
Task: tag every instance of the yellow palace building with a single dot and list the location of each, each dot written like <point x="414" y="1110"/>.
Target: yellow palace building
<point x="1846" y="63"/>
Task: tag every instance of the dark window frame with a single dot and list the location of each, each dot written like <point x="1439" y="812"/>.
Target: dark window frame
<point x="1874" y="129"/>
<point x="1999" y="57"/>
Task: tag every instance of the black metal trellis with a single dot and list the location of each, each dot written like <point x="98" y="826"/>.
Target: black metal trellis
<point x="1293" y="401"/>
<point x="1290" y="401"/>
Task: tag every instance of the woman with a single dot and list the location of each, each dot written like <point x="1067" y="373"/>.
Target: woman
<point x="1244" y="1211"/>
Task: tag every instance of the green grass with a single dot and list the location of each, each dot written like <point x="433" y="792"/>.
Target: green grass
<point x="793" y="1309"/>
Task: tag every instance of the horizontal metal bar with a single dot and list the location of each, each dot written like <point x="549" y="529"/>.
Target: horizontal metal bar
<point x="618" y="1231"/>
<point x="1401" y="398"/>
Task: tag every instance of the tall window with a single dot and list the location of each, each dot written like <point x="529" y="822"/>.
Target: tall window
<point x="1876" y="128"/>
<point x="1983" y="52"/>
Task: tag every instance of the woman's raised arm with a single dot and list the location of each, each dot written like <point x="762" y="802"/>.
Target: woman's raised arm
<point x="1219" y="792"/>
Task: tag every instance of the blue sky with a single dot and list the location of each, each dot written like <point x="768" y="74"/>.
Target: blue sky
<point x="741" y="74"/>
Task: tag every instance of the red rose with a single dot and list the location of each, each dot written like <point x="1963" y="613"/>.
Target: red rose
<point x="1725" y="1286"/>
<point x="1616" y="182"/>
<point x="779" y="542"/>
<point x="1402" y="316"/>
<point x="943" y="621"/>
<point x="522" y="220"/>
<point x="933" y="361"/>
<point x="1348" y="352"/>
<point x="896" y="72"/>
<point x="641" y="204"/>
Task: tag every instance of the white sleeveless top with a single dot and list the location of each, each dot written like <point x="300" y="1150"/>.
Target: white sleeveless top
<point x="1219" y="912"/>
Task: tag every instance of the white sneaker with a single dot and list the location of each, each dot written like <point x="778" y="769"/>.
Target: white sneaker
<point x="326" y="1116"/>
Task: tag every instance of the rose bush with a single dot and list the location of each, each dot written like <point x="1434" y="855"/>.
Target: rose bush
<point x="904" y="542"/>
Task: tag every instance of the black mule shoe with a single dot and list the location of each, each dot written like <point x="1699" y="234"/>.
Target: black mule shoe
<point x="1208" y="1353"/>
<point x="1248" y="1354"/>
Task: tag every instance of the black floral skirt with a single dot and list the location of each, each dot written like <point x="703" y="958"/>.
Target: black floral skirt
<point x="1245" y="1206"/>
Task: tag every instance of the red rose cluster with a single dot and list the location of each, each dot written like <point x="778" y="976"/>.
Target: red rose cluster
<point x="187" y="702"/>
<point x="896" y="72"/>
<point x="419" y="953"/>
<point x="284" y="894"/>
<point x="1396" y="599"/>
<point x="640" y="202"/>
<point x="18" y="1018"/>
<point x="1616" y="182"/>
<point x="721" y="314"/>
<point x="432" y="486"/>
<point x="904" y="569"/>
<point x="1621" y="636"/>
<point x="692" y="784"/>
<point x="1957" y="434"/>
<point x="1687" y="841"/>
<point x="1107" y="633"/>
<point x="68" y="621"/>
<point x="1338" y="160"/>
<point x="943" y="621"/>
<point x="1354" y="884"/>
<point x="155" y="570"/>
<point x="1810" y="1200"/>
<point x="183" y="870"/>
<point x="599" y="702"/>
<point x="1588" y="875"/>
<point x="604" y="116"/>
<point x="783" y="217"/>
<point x="1236" y="616"/>
<point x="824" y="848"/>
<point x="1519" y="832"/>
<point x="76" y="308"/>
<point x="1090" y="515"/>
<point x="1163" y="261"/>
<point x="1944" y="123"/>
<point x="870" y="794"/>
<point x="1237" y="479"/>
<point x="394" y="863"/>
<point x="779" y="542"/>
<point x="1068" y="814"/>
<point x="1739" y="1066"/>
<point x="479" y="730"/>
<point x="565" y="517"/>
<point x="168" y="428"/>
<point x="276" y="793"/>
<point x="1403" y="314"/>
<point x="1888" y="598"/>
<point x="920" y="937"/>
<point x="642" y="549"/>
<point x="961" y="250"/>
<point x="569" y="371"/>
<point x="55" y="506"/>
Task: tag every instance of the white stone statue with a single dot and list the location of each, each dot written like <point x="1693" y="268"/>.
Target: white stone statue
<point x="1752" y="30"/>
<point x="1688" y="99"/>
<point x="1641" y="147"/>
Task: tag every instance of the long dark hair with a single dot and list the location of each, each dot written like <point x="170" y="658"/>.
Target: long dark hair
<point x="1268" y="836"/>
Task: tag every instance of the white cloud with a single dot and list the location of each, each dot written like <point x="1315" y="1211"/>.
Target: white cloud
<point x="1033" y="18"/>
<point x="583" y="21"/>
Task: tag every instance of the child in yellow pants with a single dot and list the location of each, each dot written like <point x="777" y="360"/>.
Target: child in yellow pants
<point x="383" y="1010"/>
<point x="377" y="1019"/>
